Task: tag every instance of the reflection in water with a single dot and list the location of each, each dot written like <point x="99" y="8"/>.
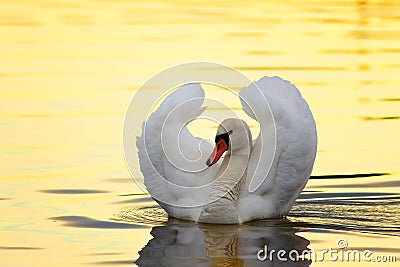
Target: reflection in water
<point x="189" y="244"/>
<point x="180" y="243"/>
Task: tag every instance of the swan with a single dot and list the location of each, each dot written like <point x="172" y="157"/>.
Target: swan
<point x="257" y="179"/>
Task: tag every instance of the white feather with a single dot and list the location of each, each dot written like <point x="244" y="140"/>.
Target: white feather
<point x="279" y="166"/>
<point x="294" y="154"/>
<point x="170" y="179"/>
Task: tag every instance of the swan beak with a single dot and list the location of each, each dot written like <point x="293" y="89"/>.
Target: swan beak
<point x="219" y="149"/>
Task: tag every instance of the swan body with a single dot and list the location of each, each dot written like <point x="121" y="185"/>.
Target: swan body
<point x="257" y="179"/>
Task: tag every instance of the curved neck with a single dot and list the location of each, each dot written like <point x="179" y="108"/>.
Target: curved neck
<point x="221" y="204"/>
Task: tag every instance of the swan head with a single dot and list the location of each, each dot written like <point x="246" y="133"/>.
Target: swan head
<point x="234" y="136"/>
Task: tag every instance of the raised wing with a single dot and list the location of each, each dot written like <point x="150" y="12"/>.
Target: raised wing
<point x="172" y="160"/>
<point x="284" y="152"/>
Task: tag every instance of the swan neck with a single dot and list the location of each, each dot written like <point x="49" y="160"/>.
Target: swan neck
<point x="222" y="201"/>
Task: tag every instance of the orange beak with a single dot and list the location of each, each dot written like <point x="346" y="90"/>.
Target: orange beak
<point x="219" y="149"/>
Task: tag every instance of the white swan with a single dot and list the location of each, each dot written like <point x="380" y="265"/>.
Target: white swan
<point x="256" y="180"/>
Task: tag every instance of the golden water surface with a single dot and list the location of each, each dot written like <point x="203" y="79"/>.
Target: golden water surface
<point x="70" y="68"/>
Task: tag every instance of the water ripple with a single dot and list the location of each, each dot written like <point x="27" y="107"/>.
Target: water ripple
<point x="148" y="215"/>
<point x="19" y="248"/>
<point x="360" y="214"/>
<point x="287" y="68"/>
<point x="73" y="191"/>
<point x="86" y="222"/>
<point x="353" y="175"/>
<point x="381" y="118"/>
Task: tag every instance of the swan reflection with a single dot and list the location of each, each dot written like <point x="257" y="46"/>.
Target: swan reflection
<point x="190" y="244"/>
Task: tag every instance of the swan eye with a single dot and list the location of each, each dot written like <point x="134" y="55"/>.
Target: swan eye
<point x="224" y="136"/>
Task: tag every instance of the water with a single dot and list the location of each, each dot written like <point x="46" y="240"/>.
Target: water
<point x="70" y="68"/>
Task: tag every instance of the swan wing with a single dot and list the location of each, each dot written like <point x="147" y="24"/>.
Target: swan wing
<point x="172" y="160"/>
<point x="283" y="154"/>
